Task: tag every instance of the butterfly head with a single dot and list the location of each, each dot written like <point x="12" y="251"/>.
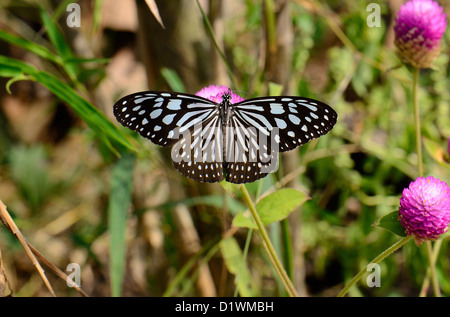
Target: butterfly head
<point x="226" y="98"/>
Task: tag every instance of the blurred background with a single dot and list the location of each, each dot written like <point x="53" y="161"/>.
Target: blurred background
<point x="58" y="165"/>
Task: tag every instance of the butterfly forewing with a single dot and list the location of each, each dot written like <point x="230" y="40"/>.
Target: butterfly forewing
<point x="293" y="121"/>
<point x="260" y="128"/>
<point x="163" y="117"/>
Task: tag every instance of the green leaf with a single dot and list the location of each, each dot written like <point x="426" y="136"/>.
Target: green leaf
<point x="15" y="79"/>
<point x="391" y="223"/>
<point x="244" y="220"/>
<point x="275" y="89"/>
<point x="272" y="208"/>
<point x="235" y="262"/>
<point x="230" y="188"/>
<point x="119" y="203"/>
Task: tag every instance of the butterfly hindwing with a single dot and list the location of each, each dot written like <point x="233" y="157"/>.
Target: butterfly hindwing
<point x="198" y="155"/>
<point x="249" y="154"/>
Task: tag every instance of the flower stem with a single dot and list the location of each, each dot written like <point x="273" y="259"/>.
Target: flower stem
<point x="378" y="259"/>
<point x="417" y="121"/>
<point x="268" y="246"/>
<point x="216" y="44"/>
<point x="426" y="281"/>
<point x="420" y="172"/>
<point x="437" y="291"/>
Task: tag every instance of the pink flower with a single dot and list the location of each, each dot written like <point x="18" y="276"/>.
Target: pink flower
<point x="425" y="209"/>
<point x="215" y="93"/>
<point x="419" y="28"/>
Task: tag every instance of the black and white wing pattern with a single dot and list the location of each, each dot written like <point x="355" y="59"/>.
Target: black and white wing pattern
<point x="214" y="141"/>
<point x="263" y="127"/>
<point x="293" y="121"/>
<point x="198" y="154"/>
<point x="189" y="124"/>
<point x="159" y="115"/>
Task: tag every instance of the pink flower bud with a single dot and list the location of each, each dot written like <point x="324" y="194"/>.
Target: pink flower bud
<point x="419" y="28"/>
<point x="425" y="209"/>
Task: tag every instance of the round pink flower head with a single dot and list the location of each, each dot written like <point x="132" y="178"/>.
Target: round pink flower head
<point x="419" y="28"/>
<point x="215" y="93"/>
<point x="425" y="209"/>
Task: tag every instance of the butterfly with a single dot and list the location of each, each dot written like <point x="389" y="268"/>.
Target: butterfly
<point x="212" y="141"/>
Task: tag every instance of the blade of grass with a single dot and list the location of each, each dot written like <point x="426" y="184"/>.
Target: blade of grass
<point x="97" y="15"/>
<point x="60" y="44"/>
<point x="119" y="203"/>
<point x="80" y="60"/>
<point x="105" y="130"/>
<point x="202" y="257"/>
<point x="61" y="9"/>
<point x="216" y="44"/>
<point x="30" y="46"/>
<point x="173" y="80"/>
<point x="95" y="119"/>
<point x="10" y="67"/>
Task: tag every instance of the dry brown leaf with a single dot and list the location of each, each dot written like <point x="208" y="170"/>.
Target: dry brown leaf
<point x="154" y="9"/>
<point x="3" y="279"/>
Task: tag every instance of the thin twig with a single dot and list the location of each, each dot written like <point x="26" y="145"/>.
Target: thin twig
<point x="11" y="225"/>
<point x="32" y="252"/>
<point x="58" y="272"/>
<point x="216" y="44"/>
<point x="4" y="281"/>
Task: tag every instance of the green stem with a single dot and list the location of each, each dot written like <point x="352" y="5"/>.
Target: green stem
<point x="417" y="121"/>
<point x="437" y="291"/>
<point x="287" y="247"/>
<point x="268" y="246"/>
<point x="378" y="259"/>
<point x="270" y="21"/>
<point x="420" y="172"/>
<point x="216" y="44"/>
<point x="426" y="281"/>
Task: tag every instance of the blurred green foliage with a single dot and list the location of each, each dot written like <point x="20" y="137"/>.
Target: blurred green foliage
<point x="353" y="176"/>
